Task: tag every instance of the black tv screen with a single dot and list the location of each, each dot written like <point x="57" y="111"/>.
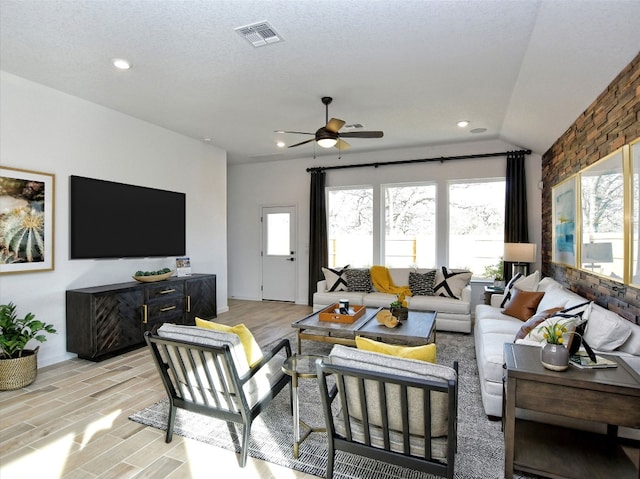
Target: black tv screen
<point x="116" y="220"/>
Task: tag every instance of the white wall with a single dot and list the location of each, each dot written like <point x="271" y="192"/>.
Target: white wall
<point x="251" y="186"/>
<point x="44" y="130"/>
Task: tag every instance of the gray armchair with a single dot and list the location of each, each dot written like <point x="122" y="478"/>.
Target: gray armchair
<point x="206" y="371"/>
<point x="400" y="411"/>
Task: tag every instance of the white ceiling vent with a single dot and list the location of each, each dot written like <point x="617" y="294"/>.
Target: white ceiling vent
<point x="259" y="34"/>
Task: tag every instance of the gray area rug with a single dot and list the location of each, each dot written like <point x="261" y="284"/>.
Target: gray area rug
<point x="480" y="441"/>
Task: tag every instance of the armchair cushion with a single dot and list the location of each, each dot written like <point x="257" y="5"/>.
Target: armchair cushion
<point x="410" y="368"/>
<point x="208" y="337"/>
<point x="251" y="347"/>
<point x="426" y="352"/>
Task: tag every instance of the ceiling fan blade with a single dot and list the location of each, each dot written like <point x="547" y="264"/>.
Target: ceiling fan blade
<point x="296" y="132"/>
<point x="334" y="125"/>
<point x="303" y="142"/>
<point x="342" y="145"/>
<point x="361" y="134"/>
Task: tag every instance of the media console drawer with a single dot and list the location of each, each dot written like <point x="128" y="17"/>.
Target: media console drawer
<point x="103" y="321"/>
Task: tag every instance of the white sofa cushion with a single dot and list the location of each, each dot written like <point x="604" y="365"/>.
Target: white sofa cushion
<point x="328" y="298"/>
<point x="632" y="344"/>
<point x="439" y="304"/>
<point x="606" y="330"/>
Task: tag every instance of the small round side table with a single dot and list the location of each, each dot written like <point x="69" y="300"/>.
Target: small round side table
<point x="300" y="366"/>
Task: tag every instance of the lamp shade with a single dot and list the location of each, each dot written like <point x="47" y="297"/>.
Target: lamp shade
<point x="520" y="252"/>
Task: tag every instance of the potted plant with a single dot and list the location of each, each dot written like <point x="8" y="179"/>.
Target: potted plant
<point x="18" y="365"/>
<point x="495" y="271"/>
<point x="554" y="355"/>
<point x="399" y="308"/>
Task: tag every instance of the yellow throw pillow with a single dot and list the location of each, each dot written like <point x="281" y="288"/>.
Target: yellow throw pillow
<point x="251" y="348"/>
<point x="423" y="353"/>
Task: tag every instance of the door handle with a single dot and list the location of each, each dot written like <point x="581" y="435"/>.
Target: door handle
<point x="291" y="259"/>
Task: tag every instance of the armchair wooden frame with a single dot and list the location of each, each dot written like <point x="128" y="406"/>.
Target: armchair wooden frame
<point x="367" y="445"/>
<point x="204" y="379"/>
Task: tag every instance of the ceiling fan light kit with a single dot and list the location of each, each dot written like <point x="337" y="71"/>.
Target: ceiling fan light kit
<point x="329" y="136"/>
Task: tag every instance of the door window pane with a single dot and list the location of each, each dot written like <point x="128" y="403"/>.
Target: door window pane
<point x="350" y="226"/>
<point x="278" y="234"/>
<point x="476" y="225"/>
<point x="410" y="226"/>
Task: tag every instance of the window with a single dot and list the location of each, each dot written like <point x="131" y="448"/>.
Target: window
<point x="602" y="219"/>
<point x="410" y="226"/>
<point x="476" y="224"/>
<point x="350" y="226"/>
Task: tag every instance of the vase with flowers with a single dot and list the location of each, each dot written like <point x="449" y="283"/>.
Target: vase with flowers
<point x="554" y="355"/>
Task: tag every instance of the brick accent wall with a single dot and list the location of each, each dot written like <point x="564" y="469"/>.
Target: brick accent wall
<point x="611" y="121"/>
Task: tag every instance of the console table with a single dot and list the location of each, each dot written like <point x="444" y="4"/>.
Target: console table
<point x="609" y="396"/>
<point x="103" y="321"/>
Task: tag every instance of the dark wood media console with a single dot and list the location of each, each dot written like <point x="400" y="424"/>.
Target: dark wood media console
<point x="103" y="321"/>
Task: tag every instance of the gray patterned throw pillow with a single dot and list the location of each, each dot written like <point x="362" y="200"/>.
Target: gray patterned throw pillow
<point x="359" y="280"/>
<point x="421" y="284"/>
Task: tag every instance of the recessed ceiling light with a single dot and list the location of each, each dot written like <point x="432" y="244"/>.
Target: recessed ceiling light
<point x="463" y="123"/>
<point x="281" y="144"/>
<point x="121" y="63"/>
<point x="478" y="130"/>
<point x="207" y="140"/>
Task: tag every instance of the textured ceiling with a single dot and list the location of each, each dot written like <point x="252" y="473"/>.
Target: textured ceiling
<point x="522" y="69"/>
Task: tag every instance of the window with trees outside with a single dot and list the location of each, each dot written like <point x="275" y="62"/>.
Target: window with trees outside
<point x="407" y="233"/>
<point x="410" y="225"/>
<point x="350" y="226"/>
<point x="476" y="225"/>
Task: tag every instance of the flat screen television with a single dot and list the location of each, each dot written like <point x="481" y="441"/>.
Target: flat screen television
<point x="116" y="220"/>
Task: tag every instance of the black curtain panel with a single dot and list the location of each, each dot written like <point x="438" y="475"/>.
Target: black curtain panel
<point x="516" y="228"/>
<point x="318" y="247"/>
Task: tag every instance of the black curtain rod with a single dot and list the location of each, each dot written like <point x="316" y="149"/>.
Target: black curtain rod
<point x="441" y="159"/>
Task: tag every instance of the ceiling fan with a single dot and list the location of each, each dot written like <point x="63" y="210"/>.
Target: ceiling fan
<point x="328" y="135"/>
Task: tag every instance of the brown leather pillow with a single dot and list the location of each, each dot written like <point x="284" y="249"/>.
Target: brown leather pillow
<point x="523" y="304"/>
<point x="534" y="321"/>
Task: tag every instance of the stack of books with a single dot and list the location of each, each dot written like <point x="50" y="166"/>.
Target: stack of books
<point x="582" y="360"/>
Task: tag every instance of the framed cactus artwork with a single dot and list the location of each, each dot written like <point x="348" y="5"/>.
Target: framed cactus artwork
<point x="26" y="220"/>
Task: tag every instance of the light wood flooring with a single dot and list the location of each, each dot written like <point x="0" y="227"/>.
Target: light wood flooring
<point x="72" y="422"/>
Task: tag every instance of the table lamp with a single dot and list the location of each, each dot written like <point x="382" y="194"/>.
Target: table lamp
<point x="520" y="254"/>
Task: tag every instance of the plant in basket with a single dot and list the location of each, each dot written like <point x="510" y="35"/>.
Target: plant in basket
<point x="18" y="365"/>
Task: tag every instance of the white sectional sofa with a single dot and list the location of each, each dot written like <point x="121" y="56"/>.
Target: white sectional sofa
<point x="493" y="328"/>
<point x="453" y="314"/>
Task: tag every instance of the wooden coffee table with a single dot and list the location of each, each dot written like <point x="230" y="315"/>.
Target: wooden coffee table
<point x="609" y="396"/>
<point x="418" y="329"/>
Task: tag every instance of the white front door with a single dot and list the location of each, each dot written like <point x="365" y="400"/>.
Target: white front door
<point x="279" y="268"/>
